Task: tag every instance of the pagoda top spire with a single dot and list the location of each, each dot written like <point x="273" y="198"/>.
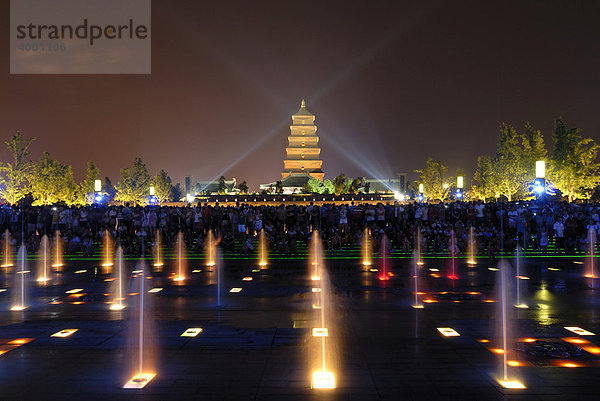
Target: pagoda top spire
<point x="303" y="111"/>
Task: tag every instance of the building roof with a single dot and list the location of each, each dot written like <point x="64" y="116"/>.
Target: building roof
<point x="303" y="111"/>
<point x="295" y="180"/>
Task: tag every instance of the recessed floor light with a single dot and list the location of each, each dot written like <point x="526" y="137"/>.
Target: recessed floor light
<point x="64" y="333"/>
<point x="191" y="332"/>
<point x="448" y="332"/>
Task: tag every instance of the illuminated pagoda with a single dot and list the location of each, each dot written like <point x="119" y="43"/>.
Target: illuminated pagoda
<point x="303" y="153"/>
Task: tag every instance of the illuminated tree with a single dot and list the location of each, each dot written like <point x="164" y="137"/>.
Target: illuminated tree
<point x="328" y="187"/>
<point x="222" y="187"/>
<point x="52" y="182"/>
<point x="433" y="177"/>
<point x="163" y="188"/>
<point x="134" y="184"/>
<point x="339" y="184"/>
<point x="313" y="186"/>
<point x="243" y="187"/>
<point x="87" y="186"/>
<point x="574" y="167"/>
<point x="486" y="179"/>
<point x="14" y="177"/>
<point x="508" y="163"/>
<point x="534" y="149"/>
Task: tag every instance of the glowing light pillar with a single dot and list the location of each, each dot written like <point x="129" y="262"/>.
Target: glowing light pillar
<point x="539" y="186"/>
<point x="421" y="190"/>
<point x="459" y="187"/>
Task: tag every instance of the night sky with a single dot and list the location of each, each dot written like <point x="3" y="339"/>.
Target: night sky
<point x="390" y="83"/>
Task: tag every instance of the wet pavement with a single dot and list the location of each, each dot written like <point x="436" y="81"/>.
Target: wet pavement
<point x="256" y="345"/>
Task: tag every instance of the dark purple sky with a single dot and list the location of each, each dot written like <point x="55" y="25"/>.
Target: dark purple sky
<point x="390" y="82"/>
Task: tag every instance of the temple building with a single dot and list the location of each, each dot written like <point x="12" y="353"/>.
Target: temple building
<point x="303" y="154"/>
<point x="303" y="151"/>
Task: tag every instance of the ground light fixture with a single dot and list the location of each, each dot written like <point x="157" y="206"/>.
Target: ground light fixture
<point x="235" y="289"/>
<point x="140" y="380"/>
<point x="448" y="332"/>
<point x="579" y="331"/>
<point x="64" y="333"/>
<point x="320" y="332"/>
<point x="323" y="380"/>
<point x="191" y="332"/>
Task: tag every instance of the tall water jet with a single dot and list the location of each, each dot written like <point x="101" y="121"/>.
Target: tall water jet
<point x="521" y="281"/>
<point x="384" y="273"/>
<point x="142" y="338"/>
<point x="210" y="249"/>
<point x="262" y="249"/>
<point x="506" y="375"/>
<point x="107" y="253"/>
<point x="181" y="261"/>
<point x="366" y="249"/>
<point x="452" y="275"/>
<point x="43" y="273"/>
<point x="591" y="273"/>
<point x="7" y="247"/>
<point x="58" y="252"/>
<point x="472" y="248"/>
<point x="158" y="258"/>
<point x="20" y="279"/>
<point x="220" y="273"/>
<point x="322" y="355"/>
<point x="118" y="284"/>
<point x="417" y="304"/>
<point x="315" y="255"/>
<point x="419" y="247"/>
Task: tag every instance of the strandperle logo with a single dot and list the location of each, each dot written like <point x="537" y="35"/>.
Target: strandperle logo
<point x="84" y="31"/>
<point x="80" y="37"/>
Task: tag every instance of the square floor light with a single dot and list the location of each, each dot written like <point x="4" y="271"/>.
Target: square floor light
<point x="247" y="279"/>
<point x="197" y="271"/>
<point x="448" y="332"/>
<point x="511" y="384"/>
<point x="80" y="271"/>
<point x="320" y="332"/>
<point x="579" y="331"/>
<point x="316" y="289"/>
<point x="191" y="332"/>
<point x="64" y="333"/>
<point x="235" y="289"/>
<point x="153" y="290"/>
<point x="322" y="380"/>
<point x="139" y="380"/>
<point x="74" y="291"/>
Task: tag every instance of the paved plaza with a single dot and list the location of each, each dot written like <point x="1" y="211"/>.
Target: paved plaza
<point x="256" y="345"/>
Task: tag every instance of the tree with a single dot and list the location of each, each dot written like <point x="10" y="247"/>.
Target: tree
<point x="508" y="163"/>
<point x="87" y="186"/>
<point x="354" y="186"/>
<point x="339" y="184"/>
<point x="313" y="186"/>
<point x="163" y="189"/>
<point x="52" y="182"/>
<point x="134" y="185"/>
<point x="433" y="177"/>
<point x="279" y="187"/>
<point x="328" y="187"/>
<point x="486" y="179"/>
<point x="177" y="192"/>
<point x="109" y="188"/>
<point x="222" y="187"/>
<point x="534" y="149"/>
<point x="574" y="168"/>
<point x="14" y="177"/>
<point x="243" y="187"/>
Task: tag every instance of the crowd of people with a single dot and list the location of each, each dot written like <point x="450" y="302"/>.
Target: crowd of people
<point x="557" y="227"/>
